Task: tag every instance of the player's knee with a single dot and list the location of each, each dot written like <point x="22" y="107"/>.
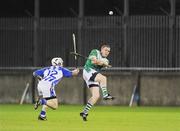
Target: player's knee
<point x="55" y="106"/>
<point x="103" y="78"/>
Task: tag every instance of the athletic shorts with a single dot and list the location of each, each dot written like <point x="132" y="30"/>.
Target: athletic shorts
<point x="45" y="89"/>
<point x="89" y="78"/>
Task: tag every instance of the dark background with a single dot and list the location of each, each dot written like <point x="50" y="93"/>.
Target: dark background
<point x="141" y="33"/>
<point x="69" y="8"/>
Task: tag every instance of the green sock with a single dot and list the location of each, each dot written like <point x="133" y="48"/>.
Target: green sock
<point x="87" y="108"/>
<point x="104" y="91"/>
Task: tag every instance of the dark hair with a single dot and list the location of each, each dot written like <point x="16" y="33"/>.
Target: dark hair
<point x="104" y="44"/>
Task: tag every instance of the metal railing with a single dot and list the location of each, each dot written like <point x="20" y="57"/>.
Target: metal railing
<point x="148" y="40"/>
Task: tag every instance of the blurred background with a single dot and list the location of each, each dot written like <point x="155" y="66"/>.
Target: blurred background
<point x="144" y="37"/>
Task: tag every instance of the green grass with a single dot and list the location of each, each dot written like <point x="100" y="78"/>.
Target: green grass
<point x="101" y="118"/>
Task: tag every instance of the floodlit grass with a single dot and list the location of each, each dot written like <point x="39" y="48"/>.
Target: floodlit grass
<point x="101" y="118"/>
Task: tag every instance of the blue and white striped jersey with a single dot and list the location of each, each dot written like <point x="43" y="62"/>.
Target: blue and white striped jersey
<point x="52" y="75"/>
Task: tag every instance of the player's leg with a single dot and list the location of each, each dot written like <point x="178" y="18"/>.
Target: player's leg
<point x="49" y="97"/>
<point x="40" y="100"/>
<point x="42" y="115"/>
<point x="45" y="93"/>
<point x="103" y="84"/>
<point x="52" y="103"/>
<point x="94" y="88"/>
<point x="48" y="100"/>
<point x="94" y="98"/>
<point x="52" y="100"/>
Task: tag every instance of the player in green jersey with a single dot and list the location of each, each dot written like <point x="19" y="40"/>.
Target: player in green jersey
<point x="94" y="79"/>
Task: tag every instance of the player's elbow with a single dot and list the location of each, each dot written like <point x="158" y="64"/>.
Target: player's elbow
<point x="34" y="74"/>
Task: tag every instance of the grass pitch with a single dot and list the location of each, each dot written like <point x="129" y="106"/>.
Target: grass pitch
<point x="101" y="118"/>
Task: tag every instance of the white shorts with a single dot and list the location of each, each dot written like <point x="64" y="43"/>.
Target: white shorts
<point x="45" y="89"/>
<point x="87" y="76"/>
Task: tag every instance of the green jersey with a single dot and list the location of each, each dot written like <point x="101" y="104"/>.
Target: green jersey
<point x="89" y="65"/>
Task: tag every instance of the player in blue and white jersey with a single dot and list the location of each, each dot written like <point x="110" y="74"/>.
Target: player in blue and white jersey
<point x="49" y="77"/>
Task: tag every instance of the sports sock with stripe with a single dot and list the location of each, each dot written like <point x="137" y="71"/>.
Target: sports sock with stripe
<point x="104" y="91"/>
<point x="43" y="112"/>
<point x="87" y="108"/>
